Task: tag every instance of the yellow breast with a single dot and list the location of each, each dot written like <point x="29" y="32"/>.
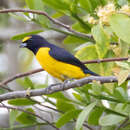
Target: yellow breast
<point x="56" y="68"/>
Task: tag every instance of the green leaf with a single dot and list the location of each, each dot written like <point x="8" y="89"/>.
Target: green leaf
<point x="82" y="116"/>
<point x="122" y="108"/>
<point x="69" y="115"/>
<point x="29" y="82"/>
<point x="122" y="2"/>
<point x="120" y="24"/>
<point x="108" y="128"/>
<point x="25" y="118"/>
<point x="102" y="40"/>
<point x="57" y="15"/>
<point x="38" y="86"/>
<point x="77" y="26"/>
<point x="96" y="88"/>
<point x="30" y="3"/>
<point x="77" y="96"/>
<point x="89" y="53"/>
<point x="59" y="4"/>
<point x="21" y="102"/>
<point x="108" y="66"/>
<point x="124" y="48"/>
<point x="84" y="91"/>
<point x="110" y="119"/>
<point x="21" y="36"/>
<point x="73" y="39"/>
<point x="64" y="106"/>
<point x="12" y="117"/>
<point x="94" y="116"/>
<point x="122" y="76"/>
<point x="120" y="93"/>
<point x="95" y="3"/>
<point x="86" y="53"/>
<point x="39" y="5"/>
<point x="22" y="83"/>
<point x="74" y="7"/>
<point x="58" y="95"/>
<point x="86" y="4"/>
<point x="123" y="65"/>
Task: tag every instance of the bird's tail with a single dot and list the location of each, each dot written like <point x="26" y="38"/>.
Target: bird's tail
<point x="87" y="71"/>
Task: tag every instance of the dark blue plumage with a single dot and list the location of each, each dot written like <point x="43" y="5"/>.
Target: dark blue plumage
<point x="56" y="52"/>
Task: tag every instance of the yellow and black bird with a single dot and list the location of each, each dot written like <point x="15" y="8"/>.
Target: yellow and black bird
<point x="55" y="60"/>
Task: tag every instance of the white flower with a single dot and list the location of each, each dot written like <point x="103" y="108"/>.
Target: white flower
<point x="125" y="9"/>
<point x="105" y="12"/>
<point x="91" y="20"/>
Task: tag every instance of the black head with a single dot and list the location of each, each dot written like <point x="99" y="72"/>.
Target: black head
<point x="34" y="42"/>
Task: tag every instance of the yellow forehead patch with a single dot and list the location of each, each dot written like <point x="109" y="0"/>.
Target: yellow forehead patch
<point x="26" y="38"/>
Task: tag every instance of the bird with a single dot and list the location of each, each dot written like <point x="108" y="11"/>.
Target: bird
<point x="55" y="60"/>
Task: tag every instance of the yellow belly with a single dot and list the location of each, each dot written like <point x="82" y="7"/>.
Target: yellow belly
<point x="56" y="68"/>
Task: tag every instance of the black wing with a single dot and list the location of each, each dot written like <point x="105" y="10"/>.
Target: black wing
<point x="61" y="54"/>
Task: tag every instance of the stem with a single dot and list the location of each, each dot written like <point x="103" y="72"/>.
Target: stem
<point x="67" y="33"/>
<point x="50" y="18"/>
<point x="103" y="97"/>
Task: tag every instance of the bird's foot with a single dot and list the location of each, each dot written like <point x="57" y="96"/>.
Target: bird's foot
<point x="68" y="80"/>
<point x="65" y="82"/>
<point x="52" y="85"/>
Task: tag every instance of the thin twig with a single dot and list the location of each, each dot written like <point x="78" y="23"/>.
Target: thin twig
<point x="5" y="82"/>
<point x="122" y="124"/>
<point x="51" y="108"/>
<point x="87" y="36"/>
<point x="3" y="87"/>
<point x="36" y="107"/>
<point x="126" y="124"/>
<point x="20" y="109"/>
<point x="20" y="75"/>
<point x="106" y="60"/>
<point x="60" y="87"/>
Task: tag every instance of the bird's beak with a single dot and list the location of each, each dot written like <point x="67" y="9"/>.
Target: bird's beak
<point x="23" y="45"/>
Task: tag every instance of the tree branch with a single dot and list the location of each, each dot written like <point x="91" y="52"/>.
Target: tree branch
<point x="106" y="60"/>
<point x="87" y="36"/>
<point x="60" y="87"/>
<point x="123" y="124"/>
<point x="20" y="75"/>
<point x="22" y="110"/>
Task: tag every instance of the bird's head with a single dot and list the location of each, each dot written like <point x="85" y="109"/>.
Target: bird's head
<point x="33" y="43"/>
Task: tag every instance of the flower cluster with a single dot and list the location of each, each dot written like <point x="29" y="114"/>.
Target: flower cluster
<point x="105" y="12"/>
<point x="125" y="9"/>
<point x="91" y="20"/>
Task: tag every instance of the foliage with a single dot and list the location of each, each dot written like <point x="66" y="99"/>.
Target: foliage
<point x="109" y="24"/>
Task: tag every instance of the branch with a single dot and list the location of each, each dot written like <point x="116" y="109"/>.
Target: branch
<point x="123" y="124"/>
<point x="51" y="108"/>
<point x="106" y="60"/>
<point x="20" y="109"/>
<point x="87" y="36"/>
<point x="60" y="87"/>
<point x="48" y="107"/>
<point x="20" y="75"/>
<point x="5" y="82"/>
